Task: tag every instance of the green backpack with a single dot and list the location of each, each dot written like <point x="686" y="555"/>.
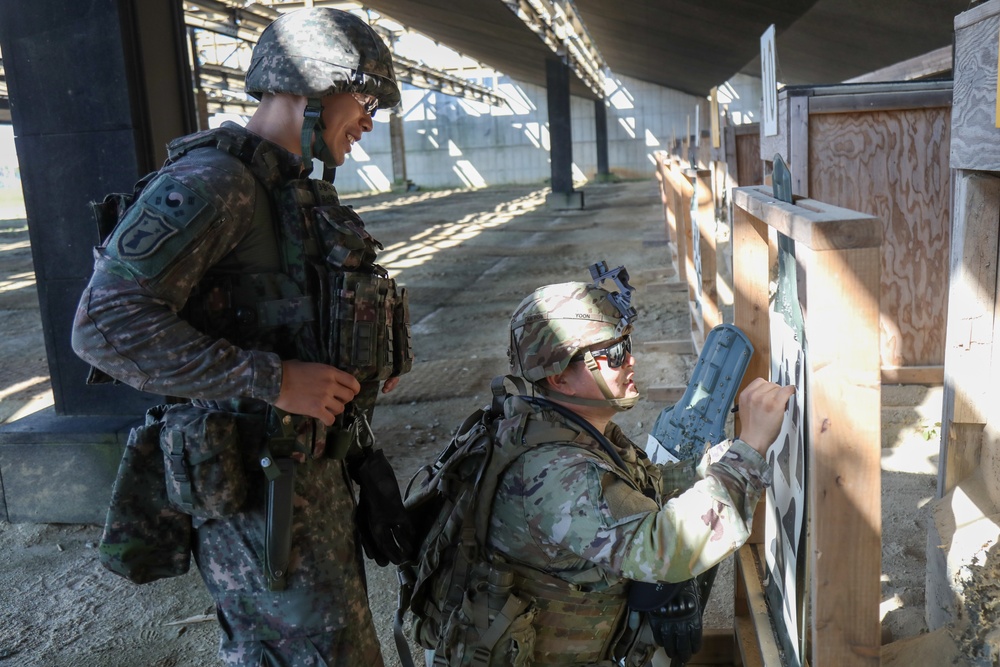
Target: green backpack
<point x="462" y="604"/>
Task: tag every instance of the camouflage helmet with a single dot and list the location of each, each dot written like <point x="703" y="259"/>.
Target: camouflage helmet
<point x="318" y="51"/>
<point x="555" y="322"/>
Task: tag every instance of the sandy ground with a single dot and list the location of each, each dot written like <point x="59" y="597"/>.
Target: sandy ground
<point x="467" y="258"/>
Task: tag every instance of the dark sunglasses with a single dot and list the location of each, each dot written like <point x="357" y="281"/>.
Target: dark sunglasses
<point x="617" y="354"/>
<point x="368" y="102"/>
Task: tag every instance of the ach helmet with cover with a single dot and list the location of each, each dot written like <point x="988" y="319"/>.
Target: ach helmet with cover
<point x="557" y="322"/>
<point x="319" y="51"/>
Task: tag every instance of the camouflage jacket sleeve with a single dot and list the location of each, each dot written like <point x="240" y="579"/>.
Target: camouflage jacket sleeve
<point x="190" y="216"/>
<point x="704" y="524"/>
<point x="565" y="509"/>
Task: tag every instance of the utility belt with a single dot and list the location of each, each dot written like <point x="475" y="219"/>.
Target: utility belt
<point x="211" y="457"/>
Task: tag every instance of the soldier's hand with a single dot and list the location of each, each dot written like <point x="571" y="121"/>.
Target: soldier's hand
<point x="762" y="410"/>
<point x="390" y="384"/>
<point x="315" y="390"/>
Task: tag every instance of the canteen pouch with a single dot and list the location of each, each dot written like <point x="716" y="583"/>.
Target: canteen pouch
<point x="144" y="538"/>
<point x="203" y="466"/>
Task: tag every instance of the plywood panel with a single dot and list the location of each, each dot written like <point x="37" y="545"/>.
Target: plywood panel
<point x="976" y="141"/>
<point x="749" y="170"/>
<point x="894" y="165"/>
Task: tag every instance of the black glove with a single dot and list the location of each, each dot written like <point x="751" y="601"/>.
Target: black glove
<point x="676" y="625"/>
<point x="383" y="526"/>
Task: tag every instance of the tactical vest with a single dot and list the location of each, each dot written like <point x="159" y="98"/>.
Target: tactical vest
<point x="576" y="624"/>
<point x="326" y="300"/>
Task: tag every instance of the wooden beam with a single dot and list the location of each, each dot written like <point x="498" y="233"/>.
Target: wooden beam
<point x="665" y="394"/>
<point x="677" y="206"/>
<point x="838" y="250"/>
<point x="748" y="653"/>
<point x="964" y="452"/>
<point x="707" y="261"/>
<point x="755" y="639"/>
<point x="938" y="61"/>
<point x="844" y="472"/>
<point x="972" y="293"/>
<point x="931" y="376"/>
<point x="668" y="347"/>
<point x="751" y="310"/>
<point x="750" y="291"/>
<point x="815" y="224"/>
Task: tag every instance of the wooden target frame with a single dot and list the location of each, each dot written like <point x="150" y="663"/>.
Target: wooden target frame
<point x="837" y="255"/>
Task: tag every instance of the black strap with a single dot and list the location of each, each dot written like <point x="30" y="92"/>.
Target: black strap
<point x="571" y="416"/>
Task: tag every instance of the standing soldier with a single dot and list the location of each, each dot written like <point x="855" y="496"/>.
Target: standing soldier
<point x="238" y="283"/>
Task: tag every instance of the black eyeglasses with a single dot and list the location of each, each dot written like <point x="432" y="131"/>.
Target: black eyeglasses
<point x="368" y="102"/>
<point x="617" y="354"/>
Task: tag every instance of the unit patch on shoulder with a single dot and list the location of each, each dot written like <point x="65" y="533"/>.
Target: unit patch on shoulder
<point x="177" y="202"/>
<point x="162" y="223"/>
<point x="147" y="232"/>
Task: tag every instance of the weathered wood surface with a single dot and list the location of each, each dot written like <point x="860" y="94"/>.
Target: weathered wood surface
<point x="838" y="252"/>
<point x="756" y="644"/>
<point x="844" y="444"/>
<point x="705" y="260"/>
<point x="894" y="165"/>
<point x="968" y="391"/>
<point x="815" y="224"/>
<point x="975" y="142"/>
<point x="749" y="169"/>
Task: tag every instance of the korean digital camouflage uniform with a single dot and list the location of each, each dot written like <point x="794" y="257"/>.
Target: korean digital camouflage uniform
<point x="208" y="216"/>
<point x="575" y="526"/>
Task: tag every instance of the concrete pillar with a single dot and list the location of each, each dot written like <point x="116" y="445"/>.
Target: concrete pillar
<point x="398" y="148"/>
<point x="97" y="89"/>
<point x="601" y="137"/>
<point x="557" y="75"/>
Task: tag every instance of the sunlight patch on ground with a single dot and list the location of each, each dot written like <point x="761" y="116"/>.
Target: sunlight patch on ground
<point x="21" y="386"/>
<point x="425" y="245"/>
<point x="18" y="281"/>
<point x="36" y="403"/>
<point x="22" y="407"/>
<point x="399" y="201"/>
<point x="917" y="457"/>
<point x="892" y="604"/>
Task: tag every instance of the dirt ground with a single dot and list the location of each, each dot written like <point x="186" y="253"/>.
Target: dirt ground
<point x="467" y="258"/>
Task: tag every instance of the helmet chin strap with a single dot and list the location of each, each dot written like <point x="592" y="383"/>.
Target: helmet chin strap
<point x="619" y="404"/>
<point x="312" y="133"/>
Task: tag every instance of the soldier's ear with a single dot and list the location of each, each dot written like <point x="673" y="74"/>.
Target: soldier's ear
<point x="562" y="382"/>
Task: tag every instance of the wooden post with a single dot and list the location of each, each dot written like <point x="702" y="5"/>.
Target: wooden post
<point x="845" y="448"/>
<point x="680" y="205"/>
<point x="707" y="261"/>
<point x="839" y="253"/>
<point x="751" y="266"/>
<point x="688" y="222"/>
<point x="971" y="297"/>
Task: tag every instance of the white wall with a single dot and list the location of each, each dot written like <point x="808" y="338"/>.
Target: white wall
<point x="453" y="143"/>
